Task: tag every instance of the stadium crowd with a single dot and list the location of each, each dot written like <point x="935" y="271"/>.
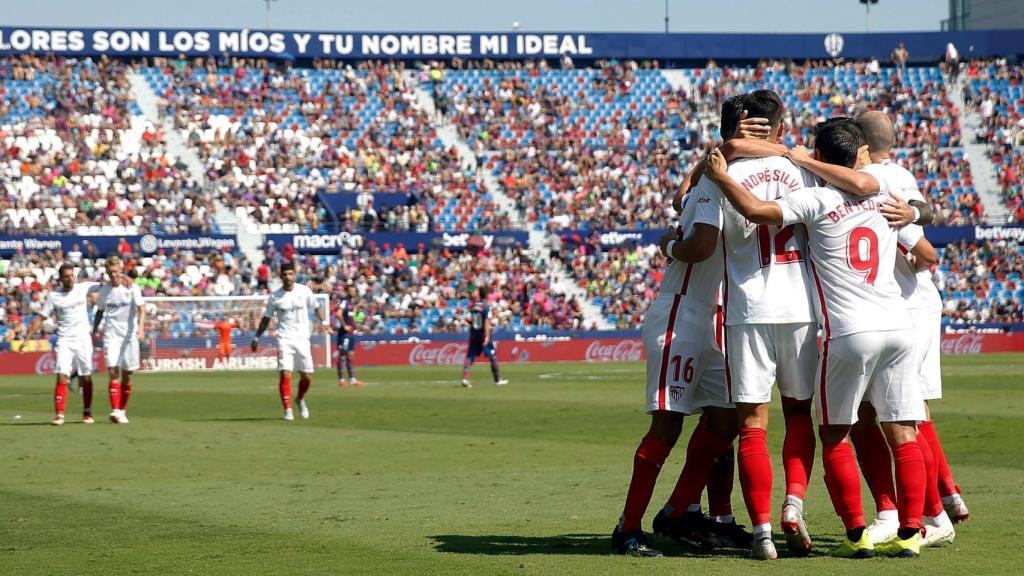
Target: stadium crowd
<point x="272" y="137"/>
<point x="427" y="290"/>
<point x="600" y="147"/>
<point x="981" y="282"/>
<point x="77" y="156"/>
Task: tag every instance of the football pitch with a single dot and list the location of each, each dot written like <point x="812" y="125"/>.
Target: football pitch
<point x="415" y="475"/>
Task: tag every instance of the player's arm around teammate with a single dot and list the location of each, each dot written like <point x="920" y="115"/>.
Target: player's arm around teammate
<point x="898" y="211"/>
<point x="748" y="141"/>
<point x="67" y="305"/>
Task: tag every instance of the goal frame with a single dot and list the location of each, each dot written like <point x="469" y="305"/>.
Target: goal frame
<point x="323" y="339"/>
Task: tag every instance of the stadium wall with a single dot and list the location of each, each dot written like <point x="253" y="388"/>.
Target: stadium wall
<point x="584" y="347"/>
<point x="296" y="44"/>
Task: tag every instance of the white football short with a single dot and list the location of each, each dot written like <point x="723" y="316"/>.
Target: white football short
<point x="928" y="330"/>
<point x="759" y="354"/>
<point x="74" y="356"/>
<point x="295" y="356"/>
<point x="685" y="366"/>
<point x="875" y="367"/>
<point x="121" y="352"/>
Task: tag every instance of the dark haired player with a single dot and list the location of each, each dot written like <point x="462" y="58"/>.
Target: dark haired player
<point x="867" y="348"/>
<point x="68" y="304"/>
<point x="290" y="305"/>
<point x="480" y="342"/>
<point x="770" y="334"/>
<point x="347" y="339"/>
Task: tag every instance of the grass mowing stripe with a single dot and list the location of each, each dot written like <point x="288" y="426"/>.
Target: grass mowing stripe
<point x="411" y="476"/>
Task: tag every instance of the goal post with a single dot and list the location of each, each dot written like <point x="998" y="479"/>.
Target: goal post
<point x="183" y="334"/>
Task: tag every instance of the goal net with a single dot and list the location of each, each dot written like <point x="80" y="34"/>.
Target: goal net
<point x="188" y="333"/>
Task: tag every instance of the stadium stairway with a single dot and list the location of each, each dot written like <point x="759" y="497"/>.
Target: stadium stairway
<point x="563" y="281"/>
<point x="449" y="136"/>
<point x="226" y="220"/>
<point x="677" y="79"/>
<point x="539" y="240"/>
<point x="986" y="183"/>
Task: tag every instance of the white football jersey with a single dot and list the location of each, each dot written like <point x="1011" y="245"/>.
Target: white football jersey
<point x="917" y="287"/>
<point x="766" y="281"/>
<point x="120" y="305"/>
<point x="699" y="282"/>
<point x="852" y="260"/>
<point x="71" y="310"/>
<point x="291" y="309"/>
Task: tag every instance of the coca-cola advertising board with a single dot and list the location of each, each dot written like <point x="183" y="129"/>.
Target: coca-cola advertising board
<point x="447" y="353"/>
<point x="982" y="343"/>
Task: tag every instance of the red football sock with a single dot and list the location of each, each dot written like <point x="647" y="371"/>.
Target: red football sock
<point x="932" y="501"/>
<point x="798" y="453"/>
<point x="702" y="451"/>
<point x="843" y="483"/>
<point x="126" y="390"/>
<point x="876" y="465"/>
<point x="86" y="385"/>
<point x="304" y="383"/>
<point x="647" y="461"/>
<point x="947" y="487"/>
<point x="60" y="395"/>
<point x="114" y="388"/>
<point x="756" y="474"/>
<point x="284" y="386"/>
<point x="910" y="483"/>
<point x="720" y="484"/>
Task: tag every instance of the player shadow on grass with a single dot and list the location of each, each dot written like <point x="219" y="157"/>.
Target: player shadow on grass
<point x="569" y="544"/>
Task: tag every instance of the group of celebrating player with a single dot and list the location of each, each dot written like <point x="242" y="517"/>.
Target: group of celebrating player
<point x="771" y="244"/>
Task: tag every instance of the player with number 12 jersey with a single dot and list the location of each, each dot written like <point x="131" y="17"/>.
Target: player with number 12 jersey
<point x="770" y="333"/>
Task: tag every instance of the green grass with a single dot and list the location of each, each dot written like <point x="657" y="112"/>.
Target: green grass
<point x="414" y="474"/>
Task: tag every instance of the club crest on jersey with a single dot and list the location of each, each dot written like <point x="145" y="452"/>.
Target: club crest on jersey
<point x="676" y="392"/>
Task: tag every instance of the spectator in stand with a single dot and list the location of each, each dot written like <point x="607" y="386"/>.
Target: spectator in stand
<point x="899" y="58"/>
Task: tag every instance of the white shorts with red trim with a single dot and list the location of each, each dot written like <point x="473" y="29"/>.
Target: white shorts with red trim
<point x="875" y="367"/>
<point x="927" y="342"/>
<point x="121" y="352"/>
<point x="685" y="366"/>
<point x="74" y="356"/>
<point x="758" y="355"/>
<point x="295" y="355"/>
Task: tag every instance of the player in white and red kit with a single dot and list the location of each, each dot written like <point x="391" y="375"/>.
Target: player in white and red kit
<point x="770" y="335"/>
<point x="868" y="343"/>
<point x="69" y="304"/>
<point x="924" y="303"/>
<point x="291" y="305"/>
<point x="121" y="313"/>
<point x="685" y="375"/>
